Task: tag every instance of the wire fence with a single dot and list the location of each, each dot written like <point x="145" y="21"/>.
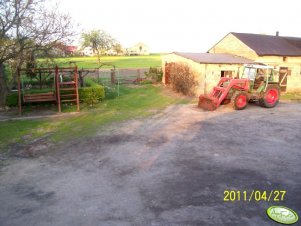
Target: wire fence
<point x="111" y="79"/>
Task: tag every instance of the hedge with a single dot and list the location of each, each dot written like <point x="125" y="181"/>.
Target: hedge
<point x="89" y="95"/>
<point x="92" y="95"/>
<point x="12" y="99"/>
<point x="89" y="82"/>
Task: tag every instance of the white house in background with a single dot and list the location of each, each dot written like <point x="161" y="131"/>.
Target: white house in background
<point x="138" y="49"/>
<point x="88" y="51"/>
<point x="111" y="52"/>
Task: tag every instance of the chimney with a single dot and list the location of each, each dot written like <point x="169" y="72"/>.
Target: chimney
<point x="277" y="33"/>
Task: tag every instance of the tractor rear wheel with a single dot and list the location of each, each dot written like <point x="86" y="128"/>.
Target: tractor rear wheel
<point x="270" y="97"/>
<point x="240" y="100"/>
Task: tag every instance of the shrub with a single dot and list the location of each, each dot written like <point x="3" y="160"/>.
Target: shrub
<point x="111" y="92"/>
<point x="183" y="79"/>
<point x="145" y="82"/>
<point x="154" y="74"/>
<point x="91" y="95"/>
<point x="89" y="82"/>
<point x="12" y="99"/>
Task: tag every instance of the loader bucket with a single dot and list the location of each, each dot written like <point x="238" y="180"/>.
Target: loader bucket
<point x="207" y="103"/>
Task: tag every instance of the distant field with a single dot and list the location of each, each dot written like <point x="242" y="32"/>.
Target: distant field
<point x="118" y="61"/>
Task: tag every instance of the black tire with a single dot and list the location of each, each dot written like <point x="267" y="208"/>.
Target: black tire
<point x="239" y="100"/>
<point x="270" y="98"/>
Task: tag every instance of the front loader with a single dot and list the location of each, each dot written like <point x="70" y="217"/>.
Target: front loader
<point x="257" y="83"/>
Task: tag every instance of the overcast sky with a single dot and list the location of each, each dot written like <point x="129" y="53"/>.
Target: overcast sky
<point x="184" y="25"/>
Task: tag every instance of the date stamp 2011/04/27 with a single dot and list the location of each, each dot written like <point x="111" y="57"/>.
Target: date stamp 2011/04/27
<point x="254" y="195"/>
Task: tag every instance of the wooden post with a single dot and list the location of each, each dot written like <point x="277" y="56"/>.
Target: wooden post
<point x="57" y="85"/>
<point x="138" y="76"/>
<point x="76" y="88"/>
<point x="205" y="78"/>
<point x="113" y="76"/>
<point x="80" y="77"/>
<point x="19" y="92"/>
<point x="40" y="78"/>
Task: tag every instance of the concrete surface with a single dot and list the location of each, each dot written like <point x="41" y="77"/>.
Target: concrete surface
<point x="169" y="169"/>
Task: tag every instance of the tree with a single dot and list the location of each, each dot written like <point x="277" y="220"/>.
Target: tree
<point x="27" y="27"/>
<point x="117" y="48"/>
<point x="99" y="40"/>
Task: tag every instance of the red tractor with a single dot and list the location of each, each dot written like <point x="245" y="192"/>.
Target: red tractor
<point x="257" y="83"/>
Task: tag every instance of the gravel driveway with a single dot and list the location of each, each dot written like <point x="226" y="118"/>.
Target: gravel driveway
<point x="168" y="169"/>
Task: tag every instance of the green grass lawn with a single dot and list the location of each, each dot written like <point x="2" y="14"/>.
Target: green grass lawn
<point x="118" y="61"/>
<point x="291" y="96"/>
<point x="136" y="102"/>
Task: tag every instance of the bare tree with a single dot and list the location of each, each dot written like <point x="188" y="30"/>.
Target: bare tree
<point x="27" y="26"/>
<point x="99" y="40"/>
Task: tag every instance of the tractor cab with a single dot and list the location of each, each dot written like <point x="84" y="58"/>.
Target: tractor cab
<point x="258" y="75"/>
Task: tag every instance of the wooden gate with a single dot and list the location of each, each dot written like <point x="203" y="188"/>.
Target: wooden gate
<point x="283" y="72"/>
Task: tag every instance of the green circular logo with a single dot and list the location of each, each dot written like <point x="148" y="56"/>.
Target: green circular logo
<point x="282" y="214"/>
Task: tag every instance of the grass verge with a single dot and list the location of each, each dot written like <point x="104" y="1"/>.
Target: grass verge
<point x="291" y="96"/>
<point x="134" y="102"/>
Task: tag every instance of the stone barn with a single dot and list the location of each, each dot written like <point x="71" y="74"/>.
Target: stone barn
<point x="207" y="67"/>
<point x="284" y="53"/>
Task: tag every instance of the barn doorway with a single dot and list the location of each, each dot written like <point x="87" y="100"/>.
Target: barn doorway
<point x="226" y="74"/>
<point x="283" y="73"/>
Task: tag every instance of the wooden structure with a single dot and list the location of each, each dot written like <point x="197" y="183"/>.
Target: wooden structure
<point x="64" y="91"/>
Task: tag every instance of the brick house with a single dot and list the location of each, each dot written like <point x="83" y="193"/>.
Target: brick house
<point x="284" y="53"/>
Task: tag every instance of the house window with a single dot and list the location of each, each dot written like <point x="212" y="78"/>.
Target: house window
<point x="226" y="74"/>
<point x="284" y="59"/>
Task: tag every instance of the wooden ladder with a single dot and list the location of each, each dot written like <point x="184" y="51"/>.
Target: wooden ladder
<point x="67" y="91"/>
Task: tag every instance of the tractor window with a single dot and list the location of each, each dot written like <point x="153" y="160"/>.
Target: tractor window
<point x="249" y="73"/>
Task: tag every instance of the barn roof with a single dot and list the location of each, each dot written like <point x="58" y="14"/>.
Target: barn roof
<point x="269" y="45"/>
<point x="214" y="58"/>
<point x="70" y="48"/>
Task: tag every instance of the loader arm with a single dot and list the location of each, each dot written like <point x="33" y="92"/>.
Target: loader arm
<point x="219" y="93"/>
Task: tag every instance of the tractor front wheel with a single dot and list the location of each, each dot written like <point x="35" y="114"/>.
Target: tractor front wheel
<point x="240" y="100"/>
<point x="270" y="97"/>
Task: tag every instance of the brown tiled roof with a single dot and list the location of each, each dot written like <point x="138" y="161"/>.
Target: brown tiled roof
<point x="294" y="41"/>
<point x="214" y="58"/>
<point x="268" y="45"/>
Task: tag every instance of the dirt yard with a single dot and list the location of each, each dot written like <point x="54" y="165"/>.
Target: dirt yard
<point x="169" y="169"/>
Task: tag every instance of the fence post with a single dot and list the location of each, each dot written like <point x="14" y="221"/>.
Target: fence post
<point x="19" y="91"/>
<point x="113" y="76"/>
<point x="57" y="85"/>
<point x="80" y="77"/>
<point x="138" y="76"/>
